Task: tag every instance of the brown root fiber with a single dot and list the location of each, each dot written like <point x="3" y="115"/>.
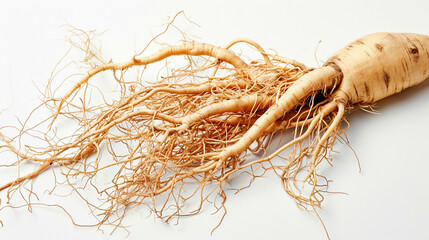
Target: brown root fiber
<point x="163" y="143"/>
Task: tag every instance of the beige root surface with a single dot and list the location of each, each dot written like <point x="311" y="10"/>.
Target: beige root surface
<point x="160" y="140"/>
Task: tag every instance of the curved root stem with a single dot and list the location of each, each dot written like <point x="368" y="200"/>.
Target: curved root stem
<point x="331" y="130"/>
<point x="323" y="124"/>
<point x="191" y="49"/>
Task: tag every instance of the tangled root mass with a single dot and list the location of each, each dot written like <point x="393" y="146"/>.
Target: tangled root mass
<point x="160" y="143"/>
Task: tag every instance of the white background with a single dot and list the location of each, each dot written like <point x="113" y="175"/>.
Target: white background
<point x="387" y="200"/>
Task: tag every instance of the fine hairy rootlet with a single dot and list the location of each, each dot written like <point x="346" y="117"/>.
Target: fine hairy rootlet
<point x="186" y="134"/>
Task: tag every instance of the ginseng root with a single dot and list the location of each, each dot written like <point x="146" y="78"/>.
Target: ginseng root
<point x="198" y="124"/>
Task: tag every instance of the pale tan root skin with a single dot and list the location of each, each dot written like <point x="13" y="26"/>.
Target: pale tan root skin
<point x="367" y="70"/>
<point x="202" y="132"/>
